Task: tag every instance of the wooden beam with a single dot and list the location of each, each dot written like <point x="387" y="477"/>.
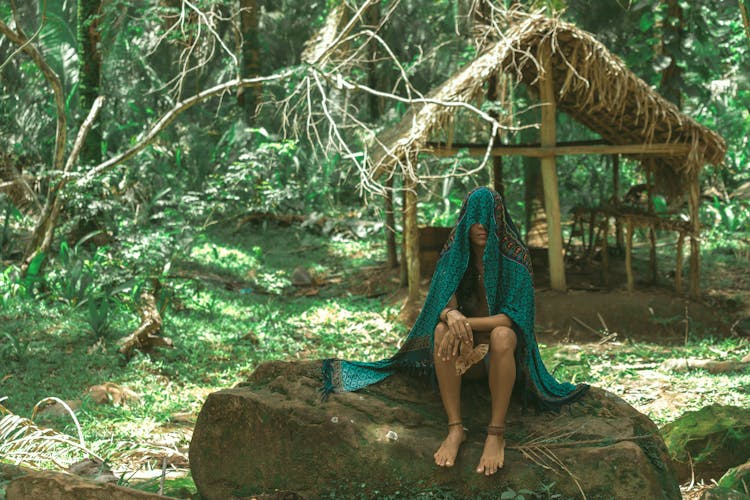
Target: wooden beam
<point x="549" y="172"/>
<point x="695" y="251"/>
<point x="411" y="238"/>
<point x="659" y="149"/>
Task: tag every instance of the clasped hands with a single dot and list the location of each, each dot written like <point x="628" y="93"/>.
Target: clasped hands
<point x="459" y="343"/>
<point x="459" y="331"/>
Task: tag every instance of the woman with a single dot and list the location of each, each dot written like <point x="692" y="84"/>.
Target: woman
<point x="480" y="306"/>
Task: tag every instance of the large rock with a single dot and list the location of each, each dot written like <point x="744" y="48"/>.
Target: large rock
<point x="709" y="441"/>
<point x="27" y="484"/>
<point x="274" y="433"/>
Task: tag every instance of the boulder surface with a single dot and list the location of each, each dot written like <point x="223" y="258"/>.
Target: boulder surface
<point x="18" y="483"/>
<point x="709" y="441"/>
<point x="274" y="433"/>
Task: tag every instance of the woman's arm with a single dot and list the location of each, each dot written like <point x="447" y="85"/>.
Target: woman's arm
<point x="487" y="323"/>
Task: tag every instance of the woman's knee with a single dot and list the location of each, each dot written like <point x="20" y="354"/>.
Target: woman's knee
<point x="502" y="338"/>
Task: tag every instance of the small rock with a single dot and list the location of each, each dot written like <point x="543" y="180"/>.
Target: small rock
<point x="109" y="393"/>
<point x="301" y="277"/>
<point x="737" y="478"/>
<point x="94" y="469"/>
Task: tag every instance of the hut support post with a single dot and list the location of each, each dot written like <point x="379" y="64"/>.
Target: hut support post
<point x="605" y="251"/>
<point x="403" y="271"/>
<point x="390" y="225"/>
<point x="629" y="254"/>
<point x="652" y="212"/>
<point x="678" y="264"/>
<point x="695" y="237"/>
<point x="549" y="173"/>
<point x="411" y="238"/>
<point x="616" y="199"/>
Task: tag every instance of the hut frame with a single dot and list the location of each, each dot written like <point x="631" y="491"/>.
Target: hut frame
<point x="572" y="72"/>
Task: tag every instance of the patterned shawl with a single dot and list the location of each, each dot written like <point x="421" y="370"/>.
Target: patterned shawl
<point x="507" y="279"/>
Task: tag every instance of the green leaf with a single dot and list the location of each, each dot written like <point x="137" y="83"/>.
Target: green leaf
<point x="647" y="21"/>
<point x="36" y="265"/>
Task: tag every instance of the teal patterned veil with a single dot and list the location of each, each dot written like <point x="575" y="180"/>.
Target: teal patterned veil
<point x="508" y="282"/>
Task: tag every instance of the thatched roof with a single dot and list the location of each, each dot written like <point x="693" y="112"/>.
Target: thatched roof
<point x="591" y="85"/>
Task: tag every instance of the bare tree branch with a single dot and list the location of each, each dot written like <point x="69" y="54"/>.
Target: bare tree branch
<point x="172" y="114"/>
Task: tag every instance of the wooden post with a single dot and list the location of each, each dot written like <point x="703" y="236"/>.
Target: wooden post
<point x="678" y="264"/>
<point x="629" y="254"/>
<point x="652" y="251"/>
<point x="549" y="172"/>
<point x="497" y="175"/>
<point x="411" y="238"/>
<point x="605" y="251"/>
<point x="651" y="231"/>
<point x="403" y="272"/>
<point x="390" y="225"/>
<point x="616" y="199"/>
<point x="695" y="256"/>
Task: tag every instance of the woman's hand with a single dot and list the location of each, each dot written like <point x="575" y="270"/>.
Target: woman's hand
<point x="460" y="329"/>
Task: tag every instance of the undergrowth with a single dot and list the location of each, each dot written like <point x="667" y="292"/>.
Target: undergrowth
<point x="231" y="305"/>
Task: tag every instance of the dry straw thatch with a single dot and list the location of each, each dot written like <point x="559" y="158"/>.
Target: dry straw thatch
<point x="591" y="85"/>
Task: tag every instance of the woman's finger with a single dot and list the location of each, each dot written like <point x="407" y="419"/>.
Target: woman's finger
<point x="469" y="334"/>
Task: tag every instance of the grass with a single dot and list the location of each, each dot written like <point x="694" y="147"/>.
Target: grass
<point x="233" y="307"/>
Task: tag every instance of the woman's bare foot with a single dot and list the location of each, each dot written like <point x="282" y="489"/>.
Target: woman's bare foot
<point x="493" y="455"/>
<point x="446" y="454"/>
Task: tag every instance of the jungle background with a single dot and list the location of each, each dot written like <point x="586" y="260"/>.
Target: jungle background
<point x="139" y="181"/>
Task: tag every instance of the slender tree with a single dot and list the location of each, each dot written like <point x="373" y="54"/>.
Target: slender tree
<point x="89" y="73"/>
<point x="247" y="97"/>
<point x="670" y="47"/>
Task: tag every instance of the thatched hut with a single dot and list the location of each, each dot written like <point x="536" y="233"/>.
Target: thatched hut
<point x="571" y="71"/>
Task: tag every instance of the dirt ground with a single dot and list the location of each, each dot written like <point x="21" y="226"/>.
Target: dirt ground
<point x="651" y="312"/>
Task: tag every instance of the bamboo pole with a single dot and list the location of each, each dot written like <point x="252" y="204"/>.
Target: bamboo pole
<point x="616" y="199"/>
<point x="390" y="225"/>
<point x="695" y="222"/>
<point x="629" y="255"/>
<point x="651" y="231"/>
<point x="411" y="238"/>
<point x="543" y="151"/>
<point x="605" y="252"/>
<point x="678" y="264"/>
<point x="652" y="253"/>
<point x="549" y="172"/>
<point x="403" y="271"/>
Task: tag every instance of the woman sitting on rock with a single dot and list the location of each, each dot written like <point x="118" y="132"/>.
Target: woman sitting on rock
<point x="480" y="307"/>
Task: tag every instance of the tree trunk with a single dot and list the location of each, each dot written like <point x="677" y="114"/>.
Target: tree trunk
<point x="670" y="46"/>
<point x="89" y="67"/>
<point x="248" y="97"/>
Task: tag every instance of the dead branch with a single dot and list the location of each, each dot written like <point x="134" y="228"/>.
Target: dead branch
<point x="710" y="365"/>
<point x="145" y="338"/>
<point x="167" y="118"/>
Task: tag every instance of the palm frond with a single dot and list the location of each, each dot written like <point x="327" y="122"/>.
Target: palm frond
<point x="26" y="443"/>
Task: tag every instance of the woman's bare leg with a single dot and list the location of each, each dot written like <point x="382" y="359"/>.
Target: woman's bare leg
<point x="502" y="376"/>
<point x="450" y="393"/>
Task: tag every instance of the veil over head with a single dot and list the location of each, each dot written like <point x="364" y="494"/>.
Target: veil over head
<point x="508" y="283"/>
